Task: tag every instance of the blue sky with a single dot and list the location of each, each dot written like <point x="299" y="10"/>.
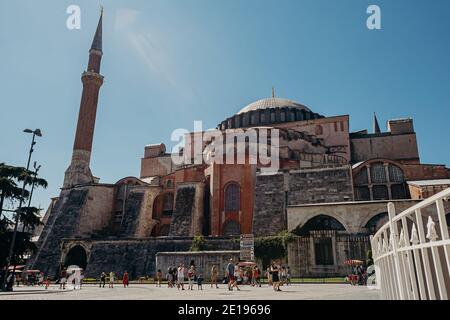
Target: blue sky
<point x="169" y="62"/>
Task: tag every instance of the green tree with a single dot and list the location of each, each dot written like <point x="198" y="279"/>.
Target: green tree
<point x="10" y="178"/>
<point x="198" y="243"/>
<point x="273" y="247"/>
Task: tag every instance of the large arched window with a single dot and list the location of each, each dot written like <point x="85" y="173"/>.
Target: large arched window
<point x="379" y="180"/>
<point x="231" y="228"/>
<point x="232" y="198"/>
<point x="168" y="204"/>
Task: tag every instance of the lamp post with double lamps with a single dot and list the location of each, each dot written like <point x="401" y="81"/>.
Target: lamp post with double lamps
<point x="35" y="133"/>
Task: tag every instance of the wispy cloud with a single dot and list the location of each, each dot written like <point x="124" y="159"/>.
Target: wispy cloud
<point x="148" y="46"/>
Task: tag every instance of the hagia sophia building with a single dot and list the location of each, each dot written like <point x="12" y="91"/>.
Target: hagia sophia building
<point x="331" y="190"/>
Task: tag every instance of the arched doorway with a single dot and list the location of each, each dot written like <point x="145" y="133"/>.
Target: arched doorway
<point x="76" y="256"/>
<point x="318" y="228"/>
<point x="376" y="222"/>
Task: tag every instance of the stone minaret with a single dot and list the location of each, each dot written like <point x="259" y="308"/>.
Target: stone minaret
<point x="79" y="172"/>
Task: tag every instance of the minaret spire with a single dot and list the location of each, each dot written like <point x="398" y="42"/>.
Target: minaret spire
<point x="376" y="126"/>
<point x="97" y="42"/>
<point x="79" y="172"/>
<point x="273" y="92"/>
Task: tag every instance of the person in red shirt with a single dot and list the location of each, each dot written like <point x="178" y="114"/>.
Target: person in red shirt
<point x="125" y="279"/>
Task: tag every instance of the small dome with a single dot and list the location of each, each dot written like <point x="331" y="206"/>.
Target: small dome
<point x="273" y="103"/>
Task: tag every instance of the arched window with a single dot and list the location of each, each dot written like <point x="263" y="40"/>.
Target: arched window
<point x="376" y="222"/>
<point x="319" y="223"/>
<point x="378" y="173"/>
<point x="231" y="228"/>
<point x="273" y="116"/>
<point x="387" y="181"/>
<point x="395" y="174"/>
<point x="232" y="198"/>
<point x="361" y="177"/>
<point x="168" y="204"/>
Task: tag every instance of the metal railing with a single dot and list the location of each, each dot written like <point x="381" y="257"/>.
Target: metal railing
<point x="412" y="252"/>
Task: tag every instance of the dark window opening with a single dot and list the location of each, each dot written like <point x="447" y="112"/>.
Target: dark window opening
<point x="323" y="250"/>
<point x="168" y="204"/>
<point x="232" y="198"/>
<point x="398" y="191"/>
<point x="362" y="193"/>
<point x="380" y="193"/>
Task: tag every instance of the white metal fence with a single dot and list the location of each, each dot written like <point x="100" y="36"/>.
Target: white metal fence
<point x="412" y="252"/>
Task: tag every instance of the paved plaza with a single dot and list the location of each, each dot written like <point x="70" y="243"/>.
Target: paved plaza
<point x="151" y="292"/>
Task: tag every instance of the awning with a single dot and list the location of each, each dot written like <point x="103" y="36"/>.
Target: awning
<point x="354" y="262"/>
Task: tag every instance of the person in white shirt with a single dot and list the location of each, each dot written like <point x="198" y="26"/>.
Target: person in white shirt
<point x="180" y="277"/>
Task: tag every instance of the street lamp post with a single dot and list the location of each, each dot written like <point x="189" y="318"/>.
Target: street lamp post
<point x="35" y="133"/>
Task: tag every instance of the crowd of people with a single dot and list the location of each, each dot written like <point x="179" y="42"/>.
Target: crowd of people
<point x="189" y="277"/>
<point x="235" y="274"/>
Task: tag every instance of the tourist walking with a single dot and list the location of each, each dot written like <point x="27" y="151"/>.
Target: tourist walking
<point x="63" y="279"/>
<point x="169" y="277"/>
<point x="191" y="277"/>
<point x="269" y="276"/>
<point x="283" y="276"/>
<point x="175" y="277"/>
<point x="200" y="282"/>
<point x="125" y="279"/>
<point x="40" y="279"/>
<point x="47" y="282"/>
<point x="102" y="279"/>
<point x="237" y="275"/>
<point x="230" y="274"/>
<point x="256" y="277"/>
<point x="112" y="278"/>
<point x="180" y="277"/>
<point x="158" y="278"/>
<point x="275" y="269"/>
<point x="214" y="275"/>
<point x="288" y="276"/>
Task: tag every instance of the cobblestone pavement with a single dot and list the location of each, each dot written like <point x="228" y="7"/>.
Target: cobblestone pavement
<point x="151" y="292"/>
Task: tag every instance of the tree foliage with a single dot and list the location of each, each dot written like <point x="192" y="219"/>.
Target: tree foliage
<point x="198" y="243"/>
<point x="11" y="184"/>
<point x="273" y="247"/>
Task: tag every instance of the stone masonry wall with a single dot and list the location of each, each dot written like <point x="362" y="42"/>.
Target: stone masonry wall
<point x="301" y="255"/>
<point x="268" y="216"/>
<point x="320" y="185"/>
<point x="138" y="257"/>
<point x="274" y="192"/>
<point x="182" y="217"/>
<point x="62" y="223"/>
<point x="131" y="215"/>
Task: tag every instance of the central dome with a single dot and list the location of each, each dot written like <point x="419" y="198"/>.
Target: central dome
<point x="270" y="103"/>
